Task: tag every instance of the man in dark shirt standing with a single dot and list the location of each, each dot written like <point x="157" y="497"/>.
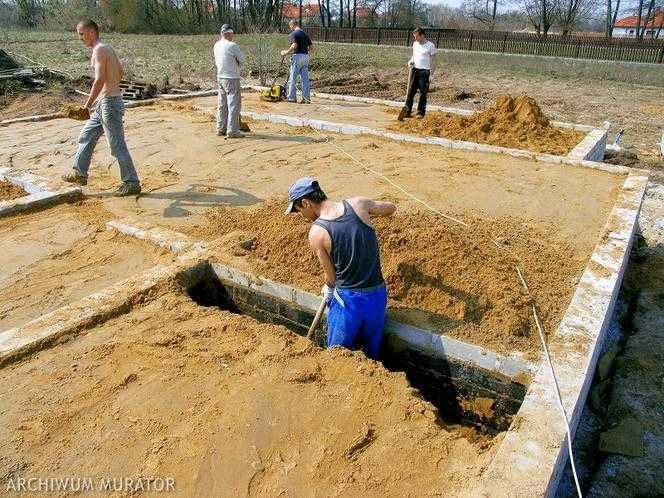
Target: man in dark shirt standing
<point x="300" y="44"/>
<point x="345" y="243"/>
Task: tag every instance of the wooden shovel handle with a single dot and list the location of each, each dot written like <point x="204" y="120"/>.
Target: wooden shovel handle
<point x="319" y="314"/>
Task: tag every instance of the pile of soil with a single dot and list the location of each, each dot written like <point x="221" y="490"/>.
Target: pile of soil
<point x="439" y="276"/>
<point x="516" y="122"/>
<point x="227" y="406"/>
<point x="9" y="191"/>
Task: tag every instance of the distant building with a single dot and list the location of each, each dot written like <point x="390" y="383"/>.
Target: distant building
<point x="311" y="13"/>
<point x="654" y="27"/>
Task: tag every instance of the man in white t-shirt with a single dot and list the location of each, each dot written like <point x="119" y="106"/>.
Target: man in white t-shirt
<point x="422" y="64"/>
<point x="228" y="57"/>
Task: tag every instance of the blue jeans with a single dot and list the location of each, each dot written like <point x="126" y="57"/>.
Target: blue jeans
<point x="105" y="119"/>
<point x="359" y="322"/>
<point x="299" y="67"/>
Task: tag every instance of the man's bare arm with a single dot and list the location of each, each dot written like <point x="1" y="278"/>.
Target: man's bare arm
<point x="319" y="242"/>
<point x="290" y="50"/>
<point x="374" y="208"/>
<point x="100" y="58"/>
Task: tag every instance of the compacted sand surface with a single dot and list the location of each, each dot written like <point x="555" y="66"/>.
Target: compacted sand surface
<point x="227" y="407"/>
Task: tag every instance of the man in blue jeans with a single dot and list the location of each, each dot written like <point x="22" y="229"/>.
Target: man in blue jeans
<point x="106" y="110"/>
<point x="300" y="44"/>
<point x="346" y="245"/>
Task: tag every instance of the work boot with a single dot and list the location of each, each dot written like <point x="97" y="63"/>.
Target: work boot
<point x="128" y="188"/>
<point x="305" y="101"/>
<point x="73" y="177"/>
<point x="419" y="116"/>
<point x="221" y="133"/>
<point x="292" y="101"/>
<point x="235" y="134"/>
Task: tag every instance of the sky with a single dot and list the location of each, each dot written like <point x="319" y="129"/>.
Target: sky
<point x="451" y="3"/>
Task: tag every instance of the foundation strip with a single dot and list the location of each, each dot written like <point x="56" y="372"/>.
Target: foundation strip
<point x="531" y="458"/>
<point x="96" y="308"/>
<point x="175" y="242"/>
<point x="347" y="129"/>
<point x="426" y="341"/>
<point x="591" y="148"/>
<point x="41" y="191"/>
<point x="423" y="340"/>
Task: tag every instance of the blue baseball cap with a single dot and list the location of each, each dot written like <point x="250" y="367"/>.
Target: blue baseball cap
<point x="299" y="189"/>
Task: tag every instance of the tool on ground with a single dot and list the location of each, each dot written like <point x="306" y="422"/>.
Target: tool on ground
<point x="275" y="93"/>
<point x="618" y="137"/>
<point x="319" y="315"/>
<point x="404" y="110"/>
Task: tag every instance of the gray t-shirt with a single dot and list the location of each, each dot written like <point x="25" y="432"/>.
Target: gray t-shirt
<point x="228" y="57"/>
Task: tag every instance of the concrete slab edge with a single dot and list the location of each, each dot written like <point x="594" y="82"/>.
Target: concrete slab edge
<point x="533" y="454"/>
<point x="167" y="239"/>
<point x="41" y="191"/>
<point x="442" y="142"/>
<point x="592" y="147"/>
<point x="431" y="107"/>
<point x="69" y="320"/>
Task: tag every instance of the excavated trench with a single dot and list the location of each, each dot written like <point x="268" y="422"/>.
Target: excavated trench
<point x="463" y="393"/>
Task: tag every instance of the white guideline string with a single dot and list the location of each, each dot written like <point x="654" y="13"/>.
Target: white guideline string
<point x="519" y="274"/>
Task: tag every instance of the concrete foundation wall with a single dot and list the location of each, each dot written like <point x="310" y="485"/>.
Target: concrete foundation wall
<point x="454" y="385"/>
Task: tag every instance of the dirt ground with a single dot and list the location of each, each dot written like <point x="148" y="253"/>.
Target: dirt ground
<point x="209" y="401"/>
<point x="42" y="272"/>
<point x="9" y="191"/>
<point x="640" y="116"/>
<point x="526" y="204"/>
<point x="514" y="122"/>
<point x="53" y="99"/>
<point x="439" y="276"/>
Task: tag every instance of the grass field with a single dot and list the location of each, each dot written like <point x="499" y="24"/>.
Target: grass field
<point x="630" y="96"/>
<point x="151" y="57"/>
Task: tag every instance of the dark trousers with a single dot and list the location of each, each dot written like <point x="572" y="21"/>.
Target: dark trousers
<point x="419" y="80"/>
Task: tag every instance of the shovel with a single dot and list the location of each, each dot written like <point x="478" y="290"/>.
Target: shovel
<point x="404" y="110"/>
<point x="319" y="314"/>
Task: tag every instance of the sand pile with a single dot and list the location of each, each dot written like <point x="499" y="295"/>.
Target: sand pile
<point x="516" y="122"/>
<point x="442" y="277"/>
<point x="9" y="191"/>
<point x="75" y="111"/>
<point x="227" y="407"/>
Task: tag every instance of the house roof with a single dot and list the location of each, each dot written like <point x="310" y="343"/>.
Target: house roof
<point x="312" y="10"/>
<point x="293" y="11"/>
<point x="655" y="21"/>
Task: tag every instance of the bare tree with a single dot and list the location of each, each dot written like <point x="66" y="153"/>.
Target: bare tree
<point x="611" y="17"/>
<point x="570" y="13"/>
<point x="540" y="14"/>
<point x="484" y="11"/>
<point x="641" y="31"/>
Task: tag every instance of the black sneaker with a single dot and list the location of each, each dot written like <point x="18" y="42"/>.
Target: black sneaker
<point x="75" y="178"/>
<point x="128" y="188"/>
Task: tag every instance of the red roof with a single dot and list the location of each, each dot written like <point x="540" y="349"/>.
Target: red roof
<point x="312" y="10"/>
<point x="656" y="21"/>
<point x="293" y="11"/>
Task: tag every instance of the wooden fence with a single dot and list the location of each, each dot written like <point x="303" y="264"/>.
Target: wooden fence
<point x="578" y="47"/>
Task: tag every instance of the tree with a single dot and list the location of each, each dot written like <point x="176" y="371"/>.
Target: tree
<point x="611" y="17"/>
<point x="484" y="11"/>
<point x="568" y="14"/>
<point x="540" y="14"/>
